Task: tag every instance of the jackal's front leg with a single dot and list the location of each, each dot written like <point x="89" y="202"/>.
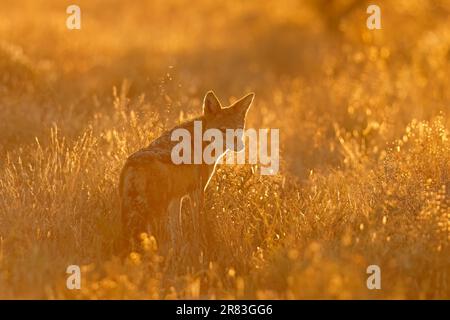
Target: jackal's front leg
<point x="196" y="207"/>
<point x="174" y="221"/>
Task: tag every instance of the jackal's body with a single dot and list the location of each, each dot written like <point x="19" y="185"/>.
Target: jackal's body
<point x="152" y="186"/>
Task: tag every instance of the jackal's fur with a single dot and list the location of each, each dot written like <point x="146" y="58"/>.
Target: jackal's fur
<point x="152" y="187"/>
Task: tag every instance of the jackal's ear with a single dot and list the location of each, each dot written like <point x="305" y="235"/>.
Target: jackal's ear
<point x="211" y="104"/>
<point x="243" y="104"/>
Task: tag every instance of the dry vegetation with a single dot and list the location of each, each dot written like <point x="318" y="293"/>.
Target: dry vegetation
<point x="363" y="118"/>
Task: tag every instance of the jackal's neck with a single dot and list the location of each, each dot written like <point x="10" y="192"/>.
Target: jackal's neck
<point x="189" y="124"/>
<point x="197" y="128"/>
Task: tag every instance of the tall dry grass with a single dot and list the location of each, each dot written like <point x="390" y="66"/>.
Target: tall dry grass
<point x="363" y="119"/>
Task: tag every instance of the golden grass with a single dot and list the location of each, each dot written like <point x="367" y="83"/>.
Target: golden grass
<point x="364" y="128"/>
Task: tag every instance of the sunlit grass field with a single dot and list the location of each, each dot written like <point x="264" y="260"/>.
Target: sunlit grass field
<point x="364" y="136"/>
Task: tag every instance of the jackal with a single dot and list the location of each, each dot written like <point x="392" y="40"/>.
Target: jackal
<point x="152" y="187"/>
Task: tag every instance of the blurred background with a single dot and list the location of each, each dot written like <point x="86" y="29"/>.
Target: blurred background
<point x="308" y="61"/>
<point x="363" y="119"/>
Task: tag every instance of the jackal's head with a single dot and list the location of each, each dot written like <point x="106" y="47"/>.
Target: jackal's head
<point x="229" y="120"/>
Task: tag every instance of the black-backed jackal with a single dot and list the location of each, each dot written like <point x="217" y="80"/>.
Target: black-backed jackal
<point x="152" y="187"/>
